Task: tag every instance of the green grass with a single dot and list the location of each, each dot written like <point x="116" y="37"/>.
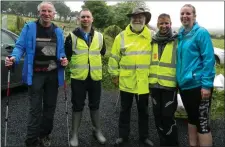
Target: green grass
<point x="11" y="22"/>
<point x="219" y="43"/>
<point x="220" y="69"/>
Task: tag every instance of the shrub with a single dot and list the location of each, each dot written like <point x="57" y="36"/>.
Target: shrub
<point x="106" y="78"/>
<point x="19" y="23"/>
<point x="112" y="31"/>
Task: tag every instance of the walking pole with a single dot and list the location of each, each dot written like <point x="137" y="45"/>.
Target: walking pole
<point x="7" y="104"/>
<point x="118" y="98"/>
<point x="66" y="100"/>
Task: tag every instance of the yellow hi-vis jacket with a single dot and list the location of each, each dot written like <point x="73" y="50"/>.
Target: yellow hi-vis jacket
<point x="83" y="56"/>
<point x="130" y="60"/>
<point x="163" y="71"/>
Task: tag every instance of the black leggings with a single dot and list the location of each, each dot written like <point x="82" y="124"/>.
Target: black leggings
<point x="197" y="109"/>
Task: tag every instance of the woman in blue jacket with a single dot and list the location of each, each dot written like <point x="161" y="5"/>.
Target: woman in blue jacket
<point x="195" y="75"/>
<point x="42" y="43"/>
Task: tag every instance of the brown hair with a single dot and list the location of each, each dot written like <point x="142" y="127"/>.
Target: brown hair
<point x="191" y="6"/>
<point x="164" y="15"/>
<point x="84" y="9"/>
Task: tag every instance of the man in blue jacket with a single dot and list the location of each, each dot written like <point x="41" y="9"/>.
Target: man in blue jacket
<point x="42" y="43"/>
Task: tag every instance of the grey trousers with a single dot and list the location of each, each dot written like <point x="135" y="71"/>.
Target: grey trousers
<point x="42" y="98"/>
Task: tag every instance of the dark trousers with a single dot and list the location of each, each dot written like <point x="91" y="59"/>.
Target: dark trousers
<point x="197" y="109"/>
<point x="125" y="112"/>
<point x="80" y="88"/>
<point x="42" y="98"/>
<point x="164" y="106"/>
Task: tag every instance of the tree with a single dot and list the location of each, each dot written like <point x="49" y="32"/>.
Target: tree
<point x="4" y="6"/>
<point x="73" y="14"/>
<point x="31" y="8"/>
<point x="99" y="9"/>
<point x="120" y="10"/>
<point x="62" y="9"/>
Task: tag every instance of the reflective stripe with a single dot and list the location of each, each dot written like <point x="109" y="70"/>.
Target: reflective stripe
<point x="134" y="66"/>
<point x="80" y="66"/>
<point x="122" y="45"/>
<point x="167" y="65"/>
<point x="100" y="39"/>
<point x="74" y="40"/>
<point x="123" y="49"/>
<point x="163" y="77"/>
<point x="95" y="52"/>
<point x="163" y="64"/>
<point x="171" y="128"/>
<point x="77" y="52"/>
<point x="170" y="102"/>
<point x="173" y="58"/>
<point x="137" y="53"/>
<point x="113" y="67"/>
<point x="174" y="54"/>
<point x="154" y="62"/>
<point x="96" y="67"/>
<point x="86" y="67"/>
<point x="117" y="58"/>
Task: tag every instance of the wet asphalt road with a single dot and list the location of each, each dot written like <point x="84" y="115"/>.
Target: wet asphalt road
<point x="18" y="108"/>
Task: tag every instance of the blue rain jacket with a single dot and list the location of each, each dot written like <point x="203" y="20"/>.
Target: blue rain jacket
<point x="26" y="44"/>
<point x="195" y="59"/>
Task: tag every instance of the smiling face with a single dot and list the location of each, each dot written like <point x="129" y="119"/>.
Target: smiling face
<point x="85" y="19"/>
<point x="187" y="16"/>
<point x="46" y="12"/>
<point x="138" y="22"/>
<point x="164" y="24"/>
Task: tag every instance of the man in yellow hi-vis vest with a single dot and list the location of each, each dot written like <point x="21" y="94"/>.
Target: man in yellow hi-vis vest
<point x="162" y="81"/>
<point x="84" y="47"/>
<point x="129" y="66"/>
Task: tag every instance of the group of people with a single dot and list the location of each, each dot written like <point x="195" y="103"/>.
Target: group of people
<point x="141" y="64"/>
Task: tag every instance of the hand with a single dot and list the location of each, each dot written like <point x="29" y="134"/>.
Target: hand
<point x="9" y="61"/>
<point x="206" y="93"/>
<point x="64" y="61"/>
<point x="115" y="80"/>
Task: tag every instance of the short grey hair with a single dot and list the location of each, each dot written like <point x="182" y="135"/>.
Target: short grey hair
<point x="45" y="2"/>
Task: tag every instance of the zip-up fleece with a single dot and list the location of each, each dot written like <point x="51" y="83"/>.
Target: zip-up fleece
<point x="26" y="44"/>
<point x="195" y="59"/>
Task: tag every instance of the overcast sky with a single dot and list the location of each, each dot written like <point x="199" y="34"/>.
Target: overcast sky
<point x="209" y="14"/>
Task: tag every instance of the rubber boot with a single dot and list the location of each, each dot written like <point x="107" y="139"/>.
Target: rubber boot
<point x="96" y="124"/>
<point x="76" y="118"/>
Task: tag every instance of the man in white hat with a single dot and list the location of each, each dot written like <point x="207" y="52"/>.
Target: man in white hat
<point x="129" y="66"/>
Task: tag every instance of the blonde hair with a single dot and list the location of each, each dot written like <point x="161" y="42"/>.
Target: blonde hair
<point x="191" y="6"/>
<point x="45" y="2"/>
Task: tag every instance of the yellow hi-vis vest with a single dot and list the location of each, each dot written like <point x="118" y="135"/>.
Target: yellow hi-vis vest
<point x="163" y="72"/>
<point x="130" y="60"/>
<point x="83" y="56"/>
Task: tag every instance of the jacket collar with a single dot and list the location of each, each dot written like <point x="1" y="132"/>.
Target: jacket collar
<point x="145" y="33"/>
<point x="189" y="34"/>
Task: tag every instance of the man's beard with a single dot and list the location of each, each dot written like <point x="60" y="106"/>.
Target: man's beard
<point x="137" y="27"/>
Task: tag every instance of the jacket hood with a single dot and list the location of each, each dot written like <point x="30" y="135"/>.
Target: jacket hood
<point x="191" y="33"/>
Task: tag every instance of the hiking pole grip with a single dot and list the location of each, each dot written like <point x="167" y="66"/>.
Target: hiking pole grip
<point x="9" y="67"/>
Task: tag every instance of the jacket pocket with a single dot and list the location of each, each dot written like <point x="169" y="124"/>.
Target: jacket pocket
<point x="186" y="77"/>
<point x="127" y="79"/>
